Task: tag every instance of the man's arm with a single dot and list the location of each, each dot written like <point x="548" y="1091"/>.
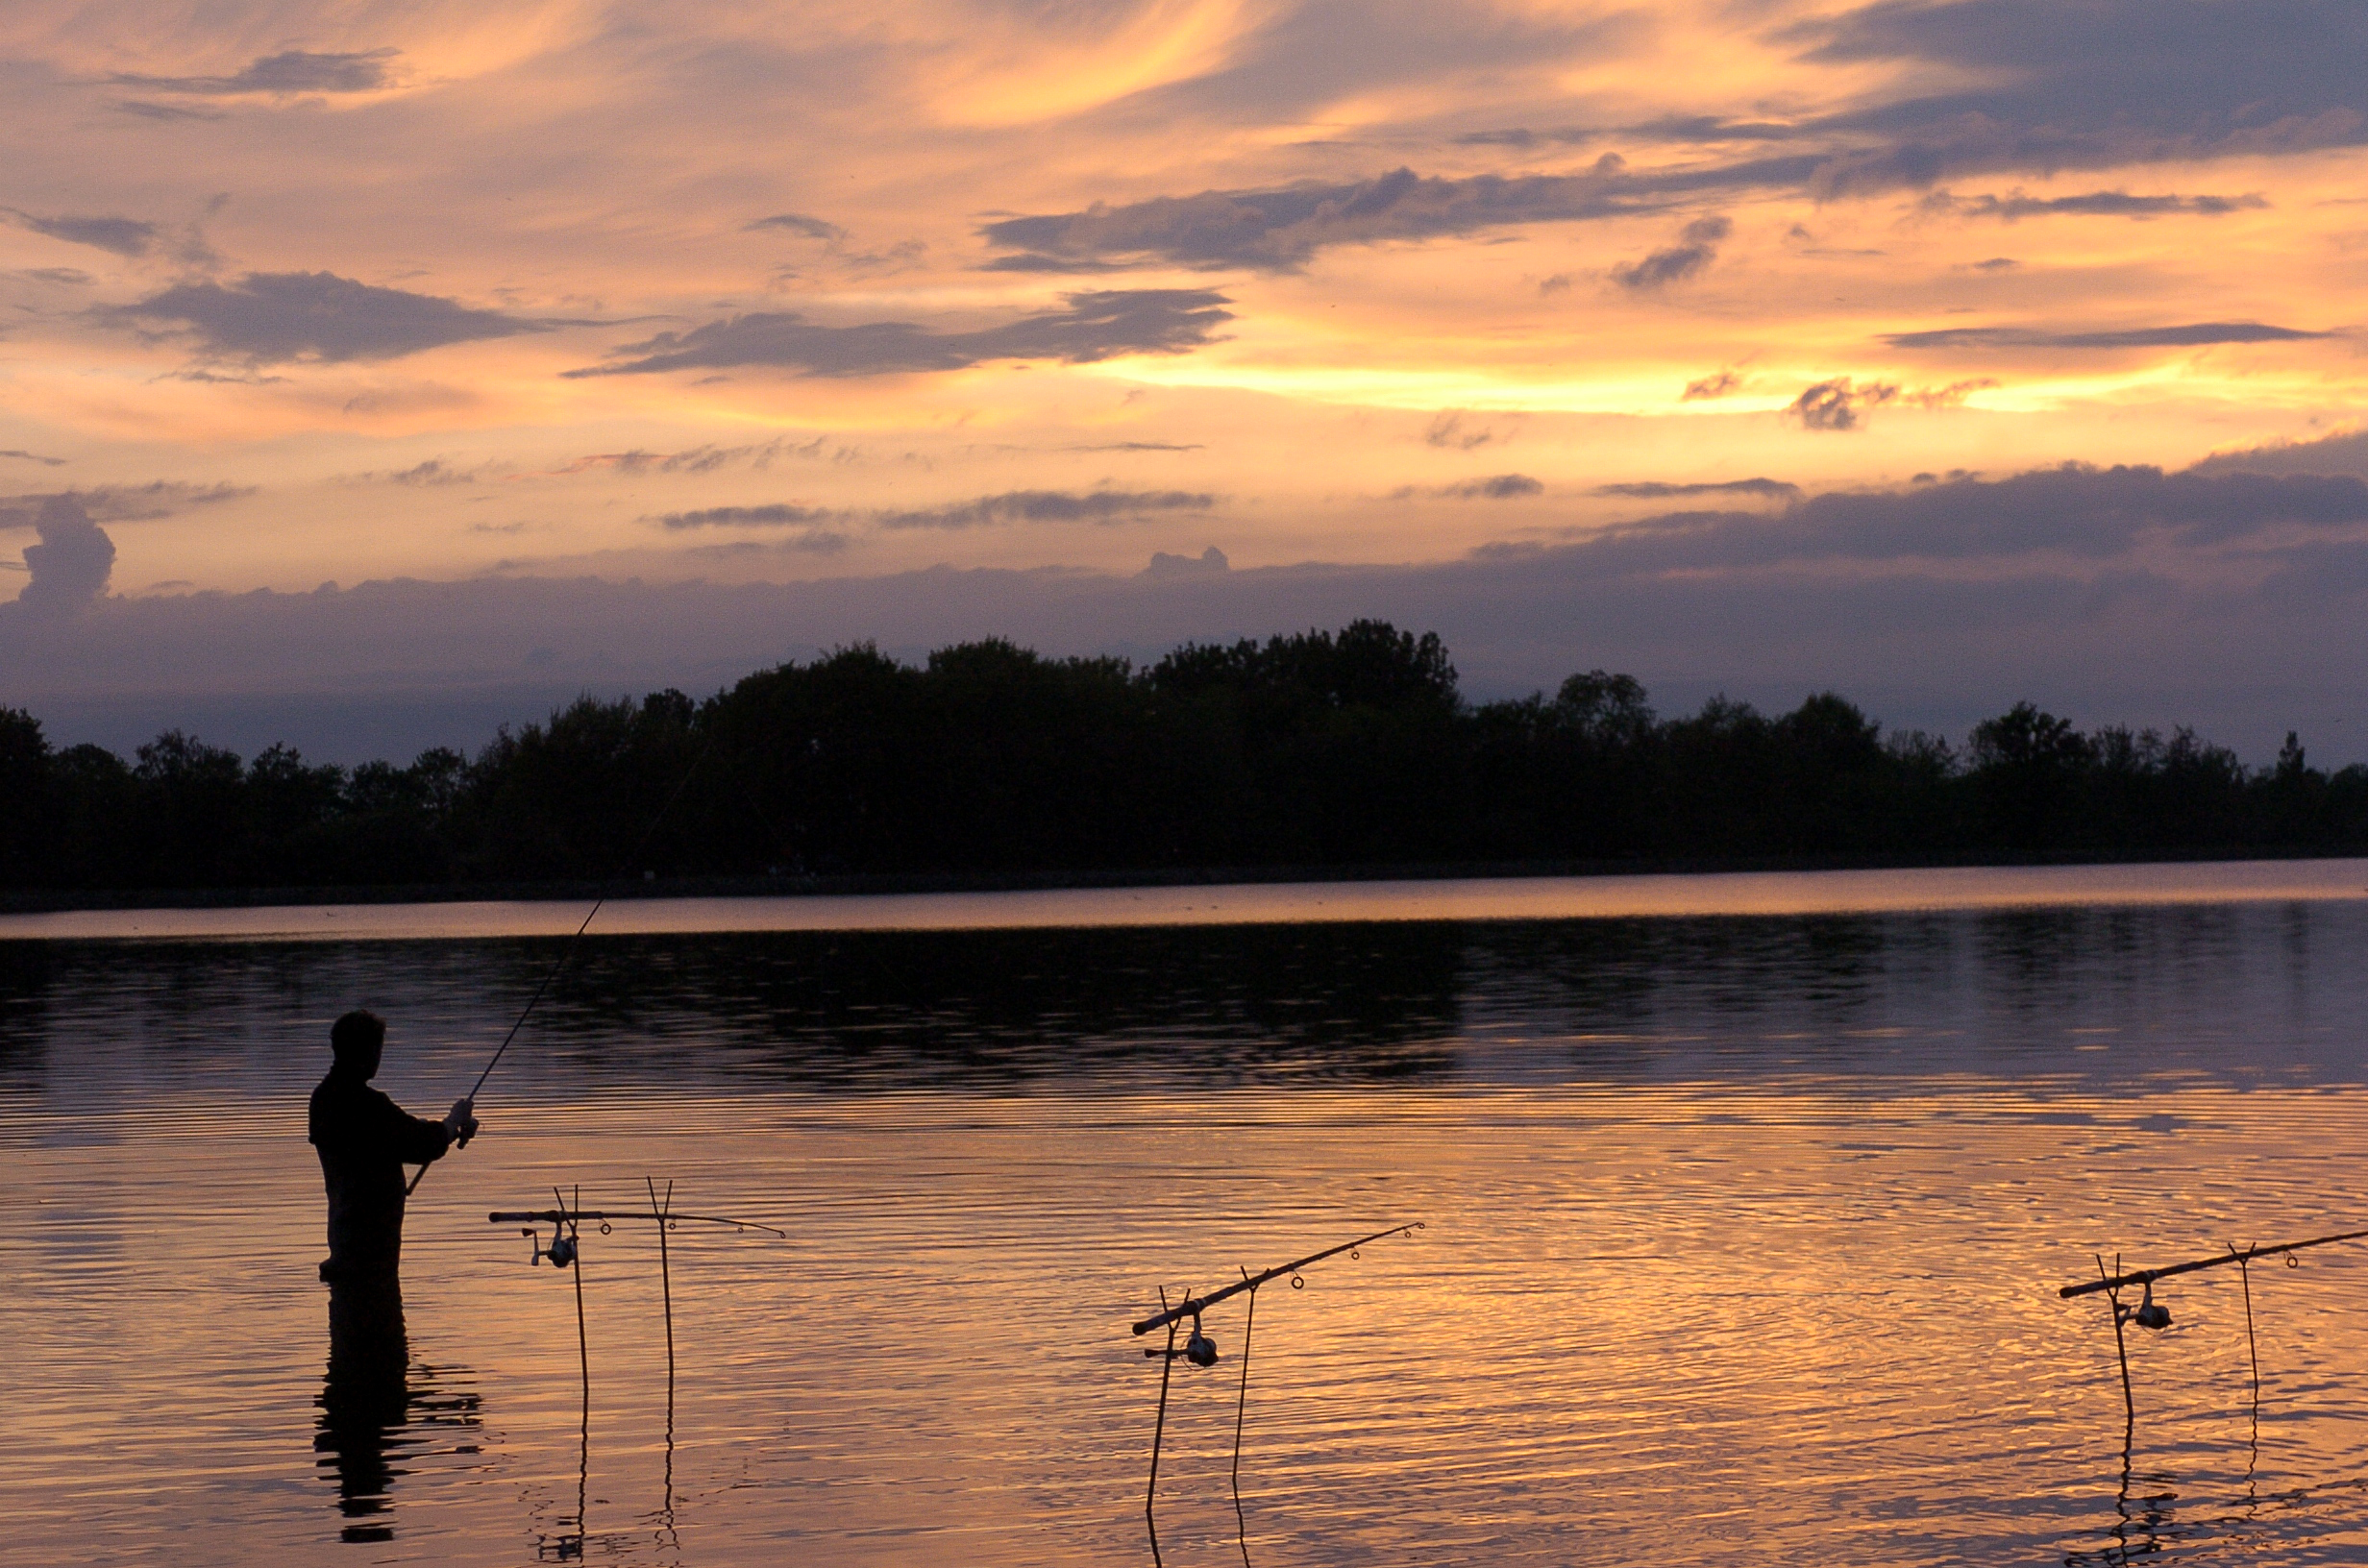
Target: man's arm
<point x="415" y="1140"/>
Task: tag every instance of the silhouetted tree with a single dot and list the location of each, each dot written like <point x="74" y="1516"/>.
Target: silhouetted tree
<point x="1316" y="747"/>
<point x="26" y="827"/>
<point x="2028" y="769"/>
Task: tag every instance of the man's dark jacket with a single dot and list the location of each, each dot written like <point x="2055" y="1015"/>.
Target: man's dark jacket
<point x="364" y="1140"/>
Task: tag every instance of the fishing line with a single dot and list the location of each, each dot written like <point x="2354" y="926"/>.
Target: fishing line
<point x="567" y="949"/>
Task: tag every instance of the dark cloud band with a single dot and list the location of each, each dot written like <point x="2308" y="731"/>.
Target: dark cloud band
<point x="2087" y="512"/>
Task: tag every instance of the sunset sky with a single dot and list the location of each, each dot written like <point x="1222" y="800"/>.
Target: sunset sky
<point x="1742" y="346"/>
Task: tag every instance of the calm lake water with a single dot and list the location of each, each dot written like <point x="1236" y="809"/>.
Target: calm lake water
<point x="1745" y="1204"/>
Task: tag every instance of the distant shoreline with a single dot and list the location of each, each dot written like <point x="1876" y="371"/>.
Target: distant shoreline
<point x="62" y="901"/>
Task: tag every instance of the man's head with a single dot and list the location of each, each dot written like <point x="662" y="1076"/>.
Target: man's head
<point x="357" y="1039"/>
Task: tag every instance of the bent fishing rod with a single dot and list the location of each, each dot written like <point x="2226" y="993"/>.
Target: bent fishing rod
<point x="567" y="949"/>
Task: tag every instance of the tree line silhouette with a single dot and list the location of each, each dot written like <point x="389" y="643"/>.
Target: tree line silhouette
<point x="1318" y="749"/>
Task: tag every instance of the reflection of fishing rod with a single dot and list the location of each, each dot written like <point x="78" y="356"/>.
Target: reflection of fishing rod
<point x="1199" y="1350"/>
<point x="568" y="949"/>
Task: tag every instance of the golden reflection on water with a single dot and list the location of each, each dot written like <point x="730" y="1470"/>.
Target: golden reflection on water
<point x="1742" y="1242"/>
<point x="1486" y="898"/>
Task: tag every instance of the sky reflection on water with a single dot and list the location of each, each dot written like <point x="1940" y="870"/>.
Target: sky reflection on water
<point x="1743" y="1238"/>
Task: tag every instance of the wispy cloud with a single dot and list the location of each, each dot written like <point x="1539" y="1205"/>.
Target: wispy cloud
<point x="984" y="511"/>
<point x="1662" y="489"/>
<point x="800" y="224"/>
<point x="125" y="503"/>
<point x="433" y="473"/>
<point x="1698" y="246"/>
<point x="124" y="236"/>
<point x="707" y="458"/>
<point x="1447" y="429"/>
<point x="2195" y="334"/>
<point x="1495" y="487"/>
<point x="774" y="515"/>
<point x="1838" y="404"/>
<point x="1048" y="507"/>
<point x="292" y="71"/>
<point x="1279" y="229"/>
<point x="167" y="112"/>
<point x="2096" y="204"/>
<point x="1841" y="403"/>
<point x="1095" y="326"/>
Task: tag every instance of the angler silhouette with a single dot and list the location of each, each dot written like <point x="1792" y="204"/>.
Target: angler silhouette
<point x="364" y="1140"/>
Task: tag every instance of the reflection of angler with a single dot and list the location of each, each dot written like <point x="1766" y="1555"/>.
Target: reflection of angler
<point x="373" y="1415"/>
<point x="1201" y="1351"/>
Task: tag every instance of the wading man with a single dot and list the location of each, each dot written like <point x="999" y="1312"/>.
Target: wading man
<point x="364" y="1140"/>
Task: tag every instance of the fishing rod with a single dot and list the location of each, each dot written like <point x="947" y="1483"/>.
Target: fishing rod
<point x="2147" y="1276"/>
<point x="1195" y="1306"/>
<point x="1201" y="1351"/>
<point x="567" y="1220"/>
<point x="572" y="1216"/>
<point x="2150" y="1314"/>
<point x="567" y="949"/>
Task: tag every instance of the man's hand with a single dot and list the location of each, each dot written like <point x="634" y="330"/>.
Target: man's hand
<point x="461" y="1121"/>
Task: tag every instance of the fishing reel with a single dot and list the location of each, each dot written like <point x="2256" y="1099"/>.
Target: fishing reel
<point x="561" y="1252"/>
<point x="1198" y="1348"/>
<point x="2148" y="1313"/>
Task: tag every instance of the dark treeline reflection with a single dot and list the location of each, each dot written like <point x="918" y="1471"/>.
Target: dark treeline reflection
<point x="852" y="1010"/>
<point x="1316" y="749"/>
<point x="2103" y="994"/>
